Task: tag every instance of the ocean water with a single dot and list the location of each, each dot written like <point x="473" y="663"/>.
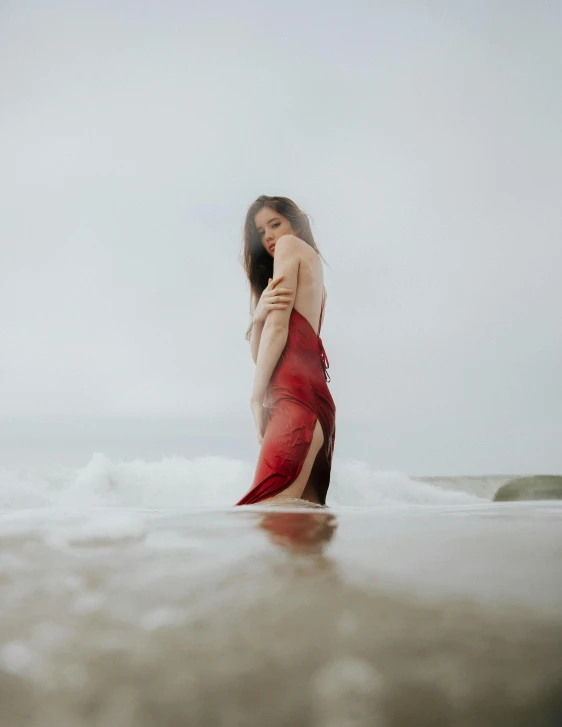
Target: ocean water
<point x="133" y="593"/>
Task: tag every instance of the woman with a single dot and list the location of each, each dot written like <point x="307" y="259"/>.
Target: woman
<point x="294" y="413"/>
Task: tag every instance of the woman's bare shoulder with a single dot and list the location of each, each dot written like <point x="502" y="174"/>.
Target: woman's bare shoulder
<point x="291" y="243"/>
<point x="307" y="255"/>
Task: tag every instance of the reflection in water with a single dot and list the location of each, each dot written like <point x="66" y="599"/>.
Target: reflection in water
<point x="299" y="531"/>
<point x="303" y="537"/>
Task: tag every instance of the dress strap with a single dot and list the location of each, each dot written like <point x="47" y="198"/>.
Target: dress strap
<point x="323" y="357"/>
<point x="324" y="360"/>
<point x="322" y="309"/>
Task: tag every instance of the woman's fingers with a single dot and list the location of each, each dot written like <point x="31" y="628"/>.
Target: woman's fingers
<point x="278" y="298"/>
<point x="282" y="292"/>
<point x="283" y="301"/>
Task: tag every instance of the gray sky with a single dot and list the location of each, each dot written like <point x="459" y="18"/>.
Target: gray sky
<point x="423" y="139"/>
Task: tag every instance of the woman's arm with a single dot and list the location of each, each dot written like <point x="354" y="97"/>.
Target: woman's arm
<point x="271" y="298"/>
<point x="276" y="327"/>
<point x="255" y="336"/>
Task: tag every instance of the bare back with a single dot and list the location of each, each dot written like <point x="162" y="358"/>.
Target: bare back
<point x="310" y="285"/>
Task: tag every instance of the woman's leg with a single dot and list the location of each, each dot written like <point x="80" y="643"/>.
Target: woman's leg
<point x="297" y="488"/>
<point x="309" y="493"/>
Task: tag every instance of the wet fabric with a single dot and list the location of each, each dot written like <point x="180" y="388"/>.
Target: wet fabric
<point x="297" y="395"/>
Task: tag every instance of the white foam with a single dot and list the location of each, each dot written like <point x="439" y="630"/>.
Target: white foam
<point x="356" y="484"/>
<point x="209" y="481"/>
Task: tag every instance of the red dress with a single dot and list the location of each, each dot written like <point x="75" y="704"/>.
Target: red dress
<point x="297" y="395"/>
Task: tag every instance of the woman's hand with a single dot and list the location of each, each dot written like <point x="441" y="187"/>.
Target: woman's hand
<point x="272" y="298"/>
<point x="260" y="414"/>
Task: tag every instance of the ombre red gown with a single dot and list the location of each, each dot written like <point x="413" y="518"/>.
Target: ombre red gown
<point x="297" y="395"/>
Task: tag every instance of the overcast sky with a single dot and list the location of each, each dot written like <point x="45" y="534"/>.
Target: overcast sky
<point x="424" y="139"/>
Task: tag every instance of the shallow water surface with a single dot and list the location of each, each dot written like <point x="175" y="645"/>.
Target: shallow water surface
<point x="392" y="615"/>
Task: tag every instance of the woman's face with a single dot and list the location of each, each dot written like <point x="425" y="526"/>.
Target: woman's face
<point x="271" y="226"/>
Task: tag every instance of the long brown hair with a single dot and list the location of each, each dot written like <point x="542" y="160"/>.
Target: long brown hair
<point x="257" y="262"/>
